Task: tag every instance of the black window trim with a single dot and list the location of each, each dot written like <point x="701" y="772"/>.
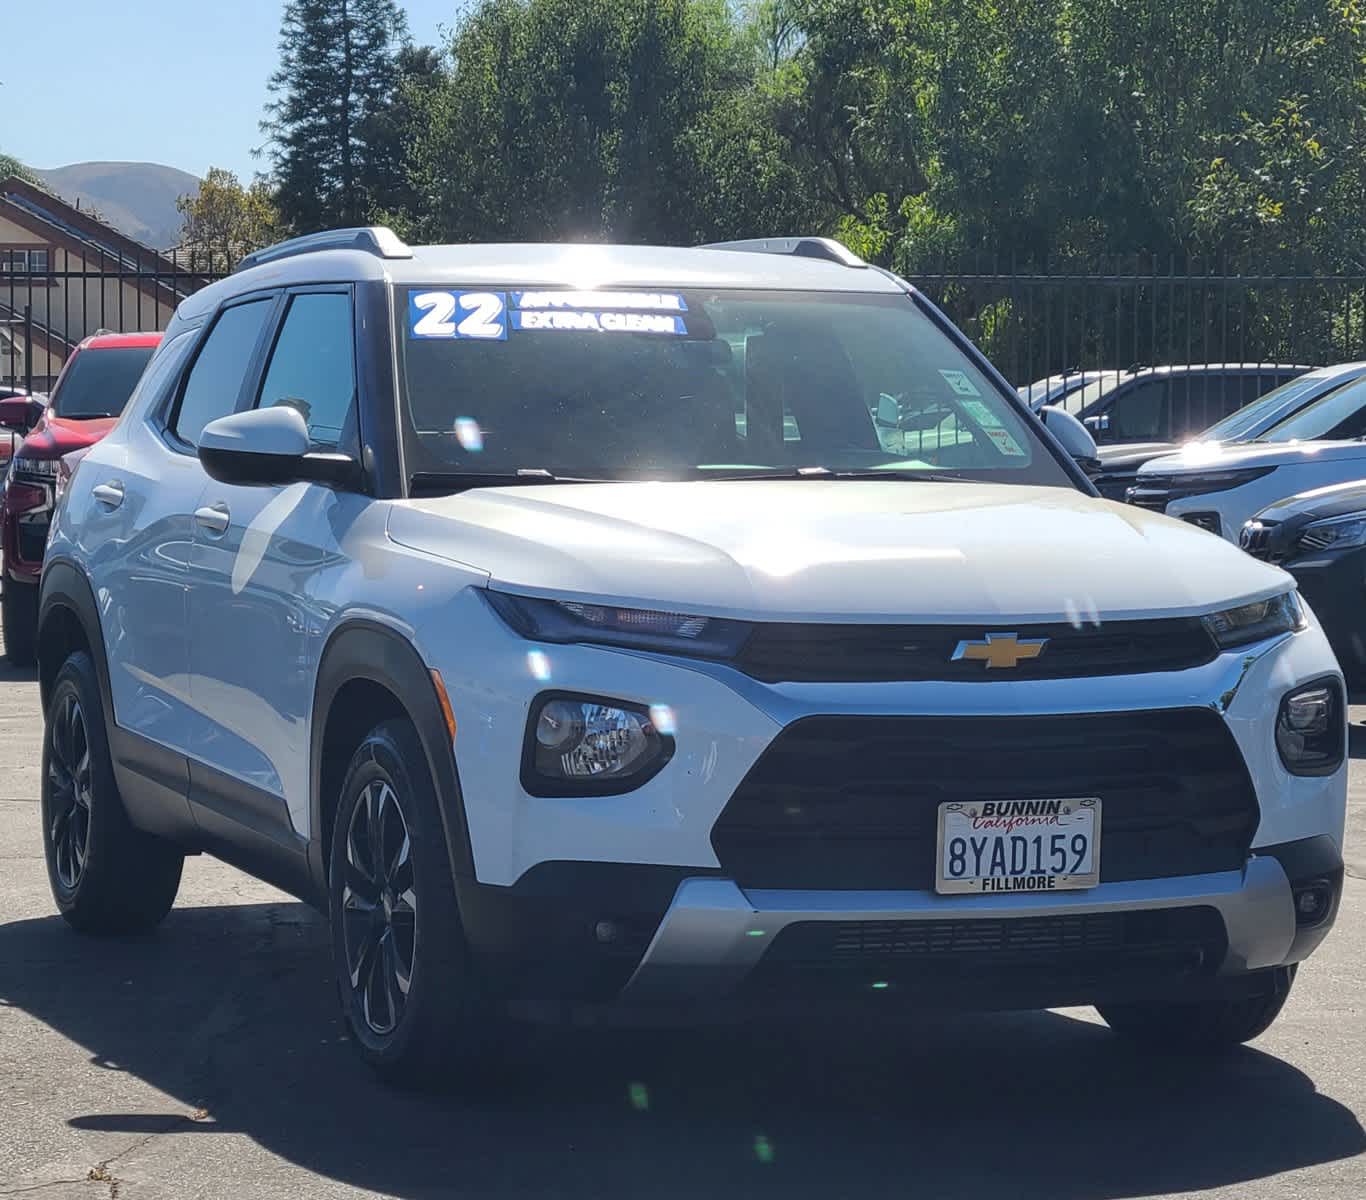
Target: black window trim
<point x="251" y="377"/>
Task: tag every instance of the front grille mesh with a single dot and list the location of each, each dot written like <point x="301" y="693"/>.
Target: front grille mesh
<point x="1195" y="934"/>
<point x="852" y="802"/>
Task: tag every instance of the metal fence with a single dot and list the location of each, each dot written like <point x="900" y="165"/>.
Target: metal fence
<point x="1030" y="323"/>
<point x="51" y="299"/>
<point x="1119" y="315"/>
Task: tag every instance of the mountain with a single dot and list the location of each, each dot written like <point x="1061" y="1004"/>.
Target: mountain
<point x="137" y="199"/>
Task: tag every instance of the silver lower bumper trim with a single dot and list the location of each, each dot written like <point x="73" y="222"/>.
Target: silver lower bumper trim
<point x="714" y="933"/>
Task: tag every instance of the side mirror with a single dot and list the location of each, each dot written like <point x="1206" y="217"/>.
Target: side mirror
<point x="1073" y="436"/>
<point x="1099" y="424"/>
<point x="269" y="445"/>
<point x="888" y="415"/>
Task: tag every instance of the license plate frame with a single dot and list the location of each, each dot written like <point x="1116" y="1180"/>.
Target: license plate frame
<point x="1019" y="819"/>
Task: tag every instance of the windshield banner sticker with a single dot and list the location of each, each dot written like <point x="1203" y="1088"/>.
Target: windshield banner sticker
<point x="480" y="316"/>
<point x="960" y="383"/>
<point x="584" y="321"/>
<point x="599" y="301"/>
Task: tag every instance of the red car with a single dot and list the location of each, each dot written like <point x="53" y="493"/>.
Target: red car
<point x="85" y="402"/>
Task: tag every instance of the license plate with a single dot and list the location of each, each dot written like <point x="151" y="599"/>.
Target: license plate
<point x="1018" y="846"/>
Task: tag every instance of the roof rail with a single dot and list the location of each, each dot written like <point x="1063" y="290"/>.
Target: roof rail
<point x="803" y="247"/>
<point x="375" y="239"/>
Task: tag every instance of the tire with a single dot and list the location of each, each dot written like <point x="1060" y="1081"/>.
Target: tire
<point x="19" y="622"/>
<point x="107" y="877"/>
<point x="1221" y="1022"/>
<point x="412" y="999"/>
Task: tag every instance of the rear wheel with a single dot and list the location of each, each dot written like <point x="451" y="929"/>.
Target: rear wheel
<point x="1219" y="1022"/>
<point x="413" y="999"/>
<point x="106" y="876"/>
<point x="19" y="621"/>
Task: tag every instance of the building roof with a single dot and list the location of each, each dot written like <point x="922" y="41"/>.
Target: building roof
<point x="49" y="339"/>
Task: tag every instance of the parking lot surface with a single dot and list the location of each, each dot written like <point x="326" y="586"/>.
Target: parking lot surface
<point x="208" y="1061"/>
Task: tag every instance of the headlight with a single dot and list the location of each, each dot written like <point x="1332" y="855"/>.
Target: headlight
<point x="1310" y="729"/>
<point x="1253" y="622"/>
<point x="589" y="746"/>
<point x="640" y="628"/>
<point x="1334" y="533"/>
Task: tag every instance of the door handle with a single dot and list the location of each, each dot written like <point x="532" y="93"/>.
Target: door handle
<point x="110" y="494"/>
<point x="213" y="517"/>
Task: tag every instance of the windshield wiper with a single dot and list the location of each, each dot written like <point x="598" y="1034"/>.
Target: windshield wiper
<point x="445" y="483"/>
<point x="829" y="473"/>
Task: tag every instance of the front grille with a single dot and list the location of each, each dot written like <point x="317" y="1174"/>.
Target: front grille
<point x="1196" y="934"/>
<point x="1113" y="485"/>
<point x="1155" y="492"/>
<point x="780" y="652"/>
<point x="1255" y="538"/>
<point x="853" y="801"/>
<point x="1208" y="521"/>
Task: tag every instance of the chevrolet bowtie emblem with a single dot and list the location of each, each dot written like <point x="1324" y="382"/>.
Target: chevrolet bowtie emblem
<point x="1000" y="650"/>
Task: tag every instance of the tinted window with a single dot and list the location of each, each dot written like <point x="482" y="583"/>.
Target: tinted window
<point x="311" y="368"/>
<point x="1139" y="413"/>
<point x="1278" y="402"/>
<point x="216" y="378"/>
<point x="1338" y="414"/>
<point x="99" y="382"/>
<point x="699" y="383"/>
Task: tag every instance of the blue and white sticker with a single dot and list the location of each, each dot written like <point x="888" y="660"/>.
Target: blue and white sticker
<point x="573" y="320"/>
<point x="479" y="316"/>
<point x="601" y="301"/>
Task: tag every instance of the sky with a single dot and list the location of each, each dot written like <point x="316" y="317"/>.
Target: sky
<point x="178" y="82"/>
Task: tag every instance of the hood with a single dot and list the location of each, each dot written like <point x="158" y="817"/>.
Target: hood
<point x="1120" y="454"/>
<point x="55" y="436"/>
<point x="820" y="550"/>
<point x="1338" y="500"/>
<point x="1230" y="456"/>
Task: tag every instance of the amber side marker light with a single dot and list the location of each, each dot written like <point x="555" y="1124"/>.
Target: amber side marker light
<point x="443" y="698"/>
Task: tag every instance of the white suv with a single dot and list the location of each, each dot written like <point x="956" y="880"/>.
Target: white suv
<point x="591" y="633"/>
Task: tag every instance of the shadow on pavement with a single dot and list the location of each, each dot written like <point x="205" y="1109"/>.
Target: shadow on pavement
<point x="233" y="1009"/>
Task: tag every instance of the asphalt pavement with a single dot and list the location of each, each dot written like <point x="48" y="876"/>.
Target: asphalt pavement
<point x="208" y="1060"/>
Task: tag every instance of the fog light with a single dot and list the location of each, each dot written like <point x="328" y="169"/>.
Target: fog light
<point x="1310" y="733"/>
<point x="1312" y="902"/>
<point x="583" y="745"/>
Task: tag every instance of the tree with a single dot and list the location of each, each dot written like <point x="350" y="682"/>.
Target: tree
<point x="11" y="166"/>
<point x="593" y="119"/>
<point x="338" y="70"/>
<point x="224" y="220"/>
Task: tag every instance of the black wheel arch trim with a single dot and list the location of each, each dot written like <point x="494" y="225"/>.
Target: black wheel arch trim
<point x="65" y="585"/>
<point x="362" y="648"/>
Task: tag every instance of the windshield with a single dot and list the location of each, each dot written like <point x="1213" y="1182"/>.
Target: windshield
<point x="99" y="382"/>
<point x="686" y="384"/>
<point x="1263" y="412"/>
<point x="1337" y="415"/>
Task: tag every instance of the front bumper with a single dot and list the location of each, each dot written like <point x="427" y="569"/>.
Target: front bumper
<point x="587" y="941"/>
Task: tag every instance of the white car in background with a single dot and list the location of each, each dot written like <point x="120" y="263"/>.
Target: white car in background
<point x="1220" y="486"/>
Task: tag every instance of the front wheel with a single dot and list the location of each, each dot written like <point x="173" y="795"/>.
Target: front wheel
<point x="107" y="876"/>
<point x="1218" y="1022"/>
<point x="409" y="992"/>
